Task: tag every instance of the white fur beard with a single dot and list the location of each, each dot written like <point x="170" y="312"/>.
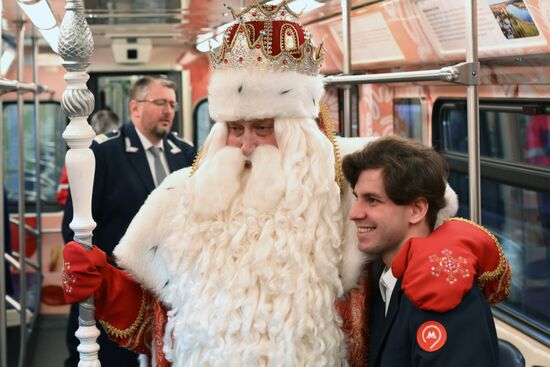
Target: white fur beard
<point x="255" y="283"/>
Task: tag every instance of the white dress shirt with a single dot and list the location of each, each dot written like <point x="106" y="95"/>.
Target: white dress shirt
<point x="387" y="283"/>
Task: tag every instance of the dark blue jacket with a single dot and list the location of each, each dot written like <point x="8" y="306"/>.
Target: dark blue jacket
<point x="471" y="335"/>
<point x="122" y="182"/>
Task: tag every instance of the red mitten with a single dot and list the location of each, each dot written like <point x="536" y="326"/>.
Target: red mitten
<point x="438" y="270"/>
<point x="82" y="271"/>
<point x="119" y="301"/>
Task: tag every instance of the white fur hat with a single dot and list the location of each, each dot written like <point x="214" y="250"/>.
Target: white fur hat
<point x="235" y="95"/>
<point x="267" y="67"/>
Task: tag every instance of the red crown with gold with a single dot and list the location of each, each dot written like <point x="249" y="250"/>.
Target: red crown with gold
<point x="268" y="37"/>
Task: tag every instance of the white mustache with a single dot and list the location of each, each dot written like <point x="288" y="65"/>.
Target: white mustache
<point x="266" y="184"/>
<point x="218" y="180"/>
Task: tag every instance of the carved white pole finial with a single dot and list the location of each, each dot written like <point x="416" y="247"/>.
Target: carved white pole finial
<point x="75" y="47"/>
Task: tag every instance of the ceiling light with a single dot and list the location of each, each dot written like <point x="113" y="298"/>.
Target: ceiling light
<point x="300" y="6"/>
<point x="39" y="12"/>
<point x="8" y="56"/>
<point x="41" y="15"/>
<point x="52" y="37"/>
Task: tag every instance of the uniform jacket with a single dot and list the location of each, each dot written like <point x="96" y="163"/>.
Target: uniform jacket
<point x="122" y="182"/>
<point x="470" y="332"/>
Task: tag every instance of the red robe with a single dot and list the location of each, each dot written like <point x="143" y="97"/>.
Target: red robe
<point x="148" y="322"/>
<point x="139" y="324"/>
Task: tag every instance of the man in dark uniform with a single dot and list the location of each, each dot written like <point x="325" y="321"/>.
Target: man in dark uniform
<point x="399" y="185"/>
<point x="130" y="163"/>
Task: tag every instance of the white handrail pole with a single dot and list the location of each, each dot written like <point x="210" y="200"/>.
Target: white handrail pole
<point x="75" y="47"/>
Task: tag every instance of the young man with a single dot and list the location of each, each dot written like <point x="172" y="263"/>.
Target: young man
<point x="400" y="186"/>
<point x="240" y="260"/>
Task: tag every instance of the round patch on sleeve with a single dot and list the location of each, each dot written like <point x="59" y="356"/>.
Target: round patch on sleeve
<point x="431" y="336"/>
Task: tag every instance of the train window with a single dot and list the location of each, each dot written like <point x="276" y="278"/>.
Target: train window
<point x="114" y="94"/>
<point x="407" y="118"/>
<point x="354" y="129"/>
<point x="511" y="136"/>
<point x="52" y="153"/>
<point x="202" y="122"/>
<point x="515" y="195"/>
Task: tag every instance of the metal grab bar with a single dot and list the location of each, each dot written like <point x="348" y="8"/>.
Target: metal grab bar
<point x="346" y="63"/>
<point x="24" y="332"/>
<point x="7" y="86"/>
<point x="32" y="230"/>
<point x="472" y="100"/>
<point x="461" y="73"/>
<point x="15" y="261"/>
<point x="13" y="303"/>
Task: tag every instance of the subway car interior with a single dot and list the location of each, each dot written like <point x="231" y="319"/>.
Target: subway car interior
<point x="469" y="77"/>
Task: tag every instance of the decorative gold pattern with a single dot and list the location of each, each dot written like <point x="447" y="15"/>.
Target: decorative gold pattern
<point x="328" y="129"/>
<point x="251" y="33"/>
<point x="352" y="309"/>
<point x="196" y="162"/>
<point x="145" y="328"/>
<point x="126" y="333"/>
<point x="502" y="262"/>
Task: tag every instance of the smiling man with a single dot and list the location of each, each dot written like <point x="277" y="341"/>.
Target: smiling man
<point x="400" y="187"/>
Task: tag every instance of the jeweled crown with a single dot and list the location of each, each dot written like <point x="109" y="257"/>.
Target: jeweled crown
<point x="268" y="37"/>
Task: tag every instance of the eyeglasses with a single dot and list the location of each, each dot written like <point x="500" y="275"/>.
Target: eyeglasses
<point x="162" y="103"/>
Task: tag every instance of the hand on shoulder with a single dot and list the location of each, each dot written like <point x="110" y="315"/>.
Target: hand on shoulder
<point x="438" y="270"/>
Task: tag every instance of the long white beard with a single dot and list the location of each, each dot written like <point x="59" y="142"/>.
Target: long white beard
<point x="254" y="255"/>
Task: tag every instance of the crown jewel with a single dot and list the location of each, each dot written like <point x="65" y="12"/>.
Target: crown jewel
<point x="268" y="37"/>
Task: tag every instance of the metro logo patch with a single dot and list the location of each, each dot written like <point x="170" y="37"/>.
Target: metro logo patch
<point x="431" y="336"/>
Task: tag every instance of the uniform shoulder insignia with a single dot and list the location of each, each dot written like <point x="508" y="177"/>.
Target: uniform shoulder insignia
<point x="175" y="136"/>
<point x="102" y="138"/>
